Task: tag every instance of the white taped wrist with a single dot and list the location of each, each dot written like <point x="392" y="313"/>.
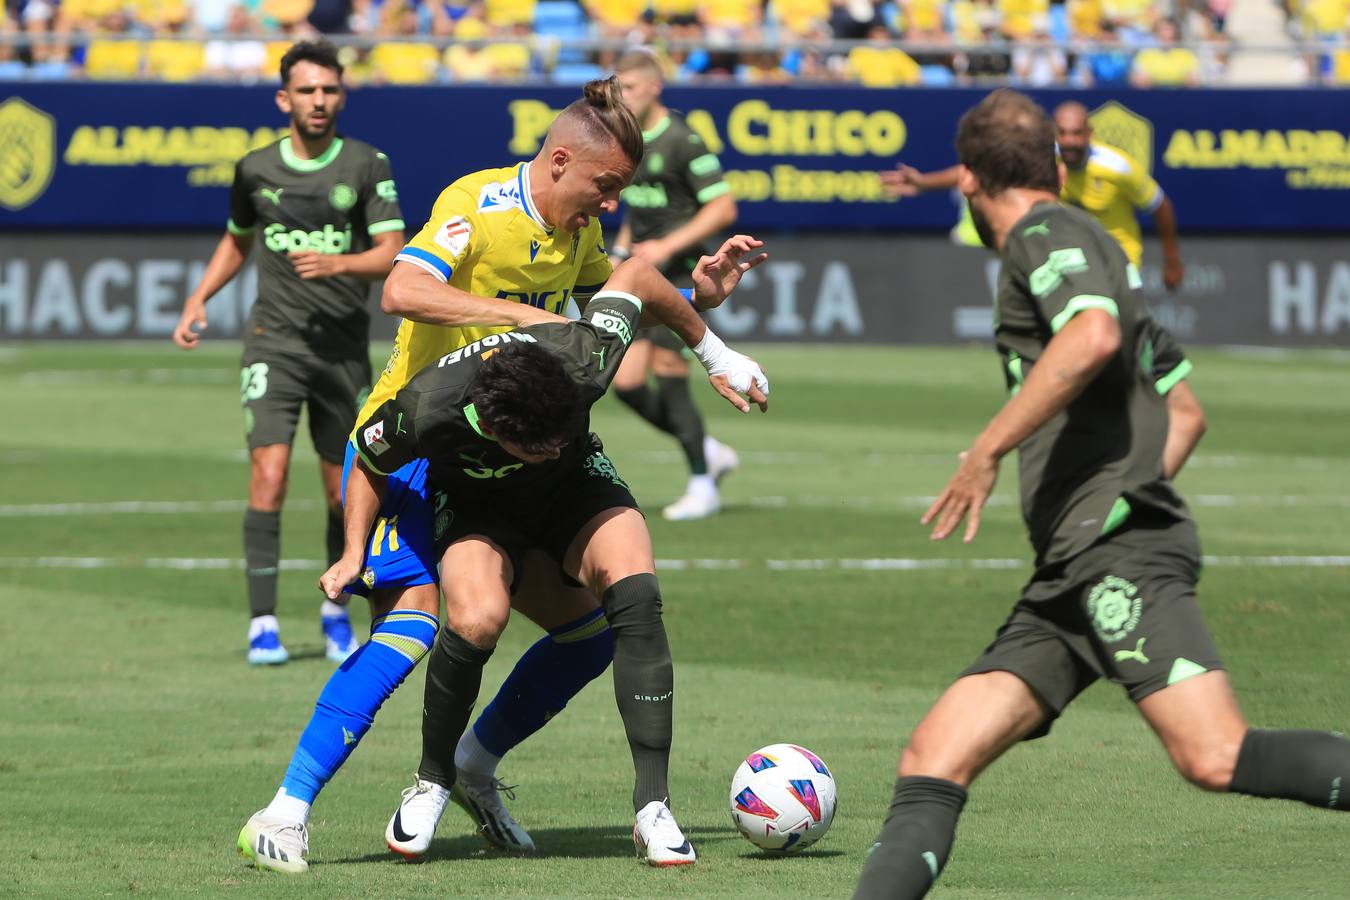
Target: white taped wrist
<point x="711" y="350"/>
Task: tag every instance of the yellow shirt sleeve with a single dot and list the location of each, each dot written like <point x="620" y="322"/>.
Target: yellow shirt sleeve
<point x="595" y="268"/>
<point x="450" y="237"/>
<point x="1140" y="188"/>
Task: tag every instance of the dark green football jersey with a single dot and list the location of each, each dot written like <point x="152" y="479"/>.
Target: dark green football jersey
<point x="1084" y="472"/>
<point x="677" y="176"/>
<point x="433" y="418"/>
<point x="332" y="204"/>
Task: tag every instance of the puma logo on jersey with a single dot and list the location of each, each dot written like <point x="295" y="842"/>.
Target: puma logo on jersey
<point x="273" y="195"/>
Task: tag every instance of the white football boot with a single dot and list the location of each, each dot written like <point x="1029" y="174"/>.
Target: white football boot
<point x="721" y="459"/>
<point x="481" y="799"/>
<point x="410" y="831"/>
<point x="659" y="839"/>
<point x="274" y="844"/>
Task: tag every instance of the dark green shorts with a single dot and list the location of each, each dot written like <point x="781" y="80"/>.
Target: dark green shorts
<point x="275" y="382"/>
<point x="1123" y="609"/>
<point x="546" y="517"/>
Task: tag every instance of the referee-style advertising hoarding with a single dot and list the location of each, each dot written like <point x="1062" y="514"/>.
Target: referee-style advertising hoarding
<point x="79" y="155"/>
<point x="816" y="288"/>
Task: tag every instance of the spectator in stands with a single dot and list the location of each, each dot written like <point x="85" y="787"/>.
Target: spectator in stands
<point x="1036" y="62"/>
<point x="923" y="21"/>
<point x="9" y="30"/>
<point x="1132" y="19"/>
<point x="1086" y="19"/>
<point x="502" y="61"/>
<point x="236" y="59"/>
<point x="212" y="16"/>
<point x="616" y="19"/>
<point x="676" y="19"/>
<point x="765" y="67"/>
<point x="801" y="19"/>
<point x="109" y="56"/>
<point x="882" y="64"/>
<point x="331" y="16"/>
<point x="725" y="21"/>
<point x="167" y="56"/>
<point x="507" y="16"/>
<point x="404" y="62"/>
<point x="1166" y="64"/>
<point x="1106" y="63"/>
<point x="1024" y="20"/>
<point x="851" y="20"/>
<point x="979" y="22"/>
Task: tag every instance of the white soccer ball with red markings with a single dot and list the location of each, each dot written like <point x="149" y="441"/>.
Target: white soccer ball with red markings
<point x="783" y="798"/>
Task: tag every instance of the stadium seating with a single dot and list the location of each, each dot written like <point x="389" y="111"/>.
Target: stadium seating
<point x="948" y="41"/>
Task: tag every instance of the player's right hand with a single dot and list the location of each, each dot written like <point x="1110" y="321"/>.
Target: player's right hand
<point x="739" y="375"/>
<point x="902" y="181"/>
<point x="342" y="573"/>
<point x="190" y="324"/>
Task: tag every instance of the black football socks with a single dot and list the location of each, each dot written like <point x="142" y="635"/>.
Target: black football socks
<point x="1311" y="766"/>
<point x="915" y="840"/>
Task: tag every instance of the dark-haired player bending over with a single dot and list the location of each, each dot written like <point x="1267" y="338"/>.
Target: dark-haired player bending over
<point x="512" y="450"/>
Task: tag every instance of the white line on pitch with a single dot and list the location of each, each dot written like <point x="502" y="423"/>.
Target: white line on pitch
<point x="884" y="564"/>
<point x="135" y="507"/>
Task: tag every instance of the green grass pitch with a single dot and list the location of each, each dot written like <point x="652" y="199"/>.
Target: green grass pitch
<point x="135" y="741"/>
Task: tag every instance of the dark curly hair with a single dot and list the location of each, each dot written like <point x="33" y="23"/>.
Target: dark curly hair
<point x="320" y="52"/>
<point x="1008" y="142"/>
<point x="525" y="396"/>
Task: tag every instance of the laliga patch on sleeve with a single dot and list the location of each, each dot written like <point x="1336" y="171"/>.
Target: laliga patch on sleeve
<point x="453" y="235"/>
<point x="607" y="321"/>
<point x="374" y="436"/>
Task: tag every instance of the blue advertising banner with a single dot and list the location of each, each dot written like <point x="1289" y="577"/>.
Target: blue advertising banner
<point x="79" y="155"/>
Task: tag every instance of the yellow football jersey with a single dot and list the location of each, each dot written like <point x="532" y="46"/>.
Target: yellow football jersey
<point x="486" y="237"/>
<point x="1111" y="187"/>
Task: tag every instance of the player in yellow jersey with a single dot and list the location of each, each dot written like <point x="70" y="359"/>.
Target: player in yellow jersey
<point x="1111" y="185"/>
<point x="1101" y="179"/>
<point x="504" y="248"/>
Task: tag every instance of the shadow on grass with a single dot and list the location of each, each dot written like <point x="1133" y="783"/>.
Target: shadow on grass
<point x="552" y="843"/>
<point x="805" y="854"/>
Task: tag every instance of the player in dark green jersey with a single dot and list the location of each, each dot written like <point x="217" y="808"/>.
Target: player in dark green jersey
<point x="325" y="211"/>
<point x="677" y="200"/>
<point x="1113" y="592"/>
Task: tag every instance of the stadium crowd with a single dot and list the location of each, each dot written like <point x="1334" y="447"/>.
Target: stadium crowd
<point x="896" y="43"/>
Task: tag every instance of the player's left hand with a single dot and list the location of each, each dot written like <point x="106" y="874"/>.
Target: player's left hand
<point x="1174" y="272"/>
<point x="716" y="276"/>
<point x="964" y="495"/>
<point x="339" y="576"/>
<point x="309" y="265"/>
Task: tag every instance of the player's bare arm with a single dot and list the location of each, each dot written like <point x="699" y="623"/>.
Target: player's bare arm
<point x="226" y="261"/>
<point x="365" y="491"/>
<point x="907" y="181"/>
<point x="418" y="295"/>
<point x="1165" y="220"/>
<point x="371" y="265"/>
<point x="730" y="373"/>
<point x="1072" y="359"/>
<point x="714" y="217"/>
<point x="1185" y="426"/>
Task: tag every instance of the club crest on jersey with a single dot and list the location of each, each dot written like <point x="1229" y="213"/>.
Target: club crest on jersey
<point x="499" y="196"/>
<point x="342" y="196"/>
<point x="453" y="235"/>
<point x="374" y="436"/>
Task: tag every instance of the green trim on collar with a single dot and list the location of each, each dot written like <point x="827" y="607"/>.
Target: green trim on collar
<point x="309" y="165"/>
<point x="657" y="130"/>
<point x="471" y="415"/>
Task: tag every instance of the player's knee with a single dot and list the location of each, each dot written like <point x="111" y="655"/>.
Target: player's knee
<point x="267" y="486"/>
<point x="925" y="757"/>
<point x="1209" y="767"/>
<point x="477" y="610"/>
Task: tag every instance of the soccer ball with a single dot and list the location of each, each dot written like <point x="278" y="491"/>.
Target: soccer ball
<point x="783" y="798"/>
